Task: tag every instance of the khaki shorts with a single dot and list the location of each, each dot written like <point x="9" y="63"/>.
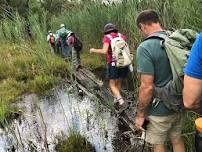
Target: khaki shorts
<point x="163" y="128"/>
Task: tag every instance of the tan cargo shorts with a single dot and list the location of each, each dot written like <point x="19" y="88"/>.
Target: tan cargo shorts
<point x="163" y="128"/>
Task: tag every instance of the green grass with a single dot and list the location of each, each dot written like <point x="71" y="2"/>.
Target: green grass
<point x="74" y="143"/>
<point x="189" y="130"/>
<point x="92" y="61"/>
<point x="23" y="69"/>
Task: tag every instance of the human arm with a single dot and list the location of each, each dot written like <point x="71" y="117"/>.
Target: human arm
<point x="145" y="67"/>
<point x="192" y="93"/>
<point x="145" y="93"/>
<point x="100" y="51"/>
<point x="145" y="96"/>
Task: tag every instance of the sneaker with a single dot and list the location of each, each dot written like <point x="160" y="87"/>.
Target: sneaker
<point x="78" y="67"/>
<point x="116" y="106"/>
<point x="123" y="107"/>
<point x="119" y="108"/>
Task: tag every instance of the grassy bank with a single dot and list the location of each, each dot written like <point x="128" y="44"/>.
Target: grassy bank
<point x="24" y="69"/>
<point x="74" y="143"/>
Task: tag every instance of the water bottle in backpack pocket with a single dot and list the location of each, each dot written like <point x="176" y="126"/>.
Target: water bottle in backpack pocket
<point x="77" y="44"/>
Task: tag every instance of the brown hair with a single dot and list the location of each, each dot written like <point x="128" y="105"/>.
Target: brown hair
<point x="147" y="17"/>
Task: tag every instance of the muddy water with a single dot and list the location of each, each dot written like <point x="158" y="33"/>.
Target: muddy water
<point x="44" y="119"/>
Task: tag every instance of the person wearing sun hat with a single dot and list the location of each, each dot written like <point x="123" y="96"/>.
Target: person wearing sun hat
<point x="114" y="74"/>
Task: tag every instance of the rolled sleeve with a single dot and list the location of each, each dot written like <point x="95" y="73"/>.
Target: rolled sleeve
<point x="106" y="40"/>
<point x="145" y="64"/>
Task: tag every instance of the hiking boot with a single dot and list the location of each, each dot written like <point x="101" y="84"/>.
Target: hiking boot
<point x="123" y="107"/>
<point x="78" y="67"/>
<point x="119" y="108"/>
<point x="116" y="106"/>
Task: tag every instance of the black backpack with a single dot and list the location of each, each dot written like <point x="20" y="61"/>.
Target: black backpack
<point x="77" y="43"/>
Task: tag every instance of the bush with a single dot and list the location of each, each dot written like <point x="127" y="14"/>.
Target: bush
<point x="41" y="83"/>
<point x="74" y="143"/>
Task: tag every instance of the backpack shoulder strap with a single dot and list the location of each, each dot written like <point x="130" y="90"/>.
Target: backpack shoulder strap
<point x="109" y="36"/>
<point x="158" y="36"/>
<point x="69" y="33"/>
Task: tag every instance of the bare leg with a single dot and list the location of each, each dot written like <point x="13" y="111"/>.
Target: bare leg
<point x="75" y="57"/>
<point x="160" y="148"/>
<point x="118" y="84"/>
<point x="178" y="145"/>
<point x="114" y="89"/>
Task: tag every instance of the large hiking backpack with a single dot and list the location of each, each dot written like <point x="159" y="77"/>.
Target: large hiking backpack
<point x="52" y="40"/>
<point x="64" y="33"/>
<point x="121" y="55"/>
<point x="177" y="45"/>
<point x="77" y="44"/>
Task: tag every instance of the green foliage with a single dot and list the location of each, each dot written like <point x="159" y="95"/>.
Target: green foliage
<point x="26" y="68"/>
<point x="189" y="131"/>
<point x="41" y="83"/>
<point x="74" y="143"/>
<point x="3" y="111"/>
<point x="10" y="89"/>
<point x="91" y="61"/>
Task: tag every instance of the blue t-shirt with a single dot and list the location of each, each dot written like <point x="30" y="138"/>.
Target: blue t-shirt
<point x="194" y="65"/>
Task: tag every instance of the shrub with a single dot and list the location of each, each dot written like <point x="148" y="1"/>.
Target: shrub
<point x="74" y="143"/>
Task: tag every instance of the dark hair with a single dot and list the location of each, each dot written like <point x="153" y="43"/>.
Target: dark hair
<point x="147" y="17"/>
<point x="112" y="31"/>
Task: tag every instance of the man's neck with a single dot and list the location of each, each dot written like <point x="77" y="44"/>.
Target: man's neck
<point x="155" y="28"/>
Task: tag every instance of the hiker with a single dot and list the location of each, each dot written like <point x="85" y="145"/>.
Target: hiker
<point x="51" y="41"/>
<point x="115" y="74"/>
<point x="75" y="47"/>
<point x="58" y="48"/>
<point x="192" y="93"/>
<point x="61" y="36"/>
<point x="154" y="68"/>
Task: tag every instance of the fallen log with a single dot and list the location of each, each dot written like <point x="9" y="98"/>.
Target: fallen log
<point x="95" y="88"/>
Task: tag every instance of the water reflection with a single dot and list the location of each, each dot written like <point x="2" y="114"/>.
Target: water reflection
<point x="44" y="119"/>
